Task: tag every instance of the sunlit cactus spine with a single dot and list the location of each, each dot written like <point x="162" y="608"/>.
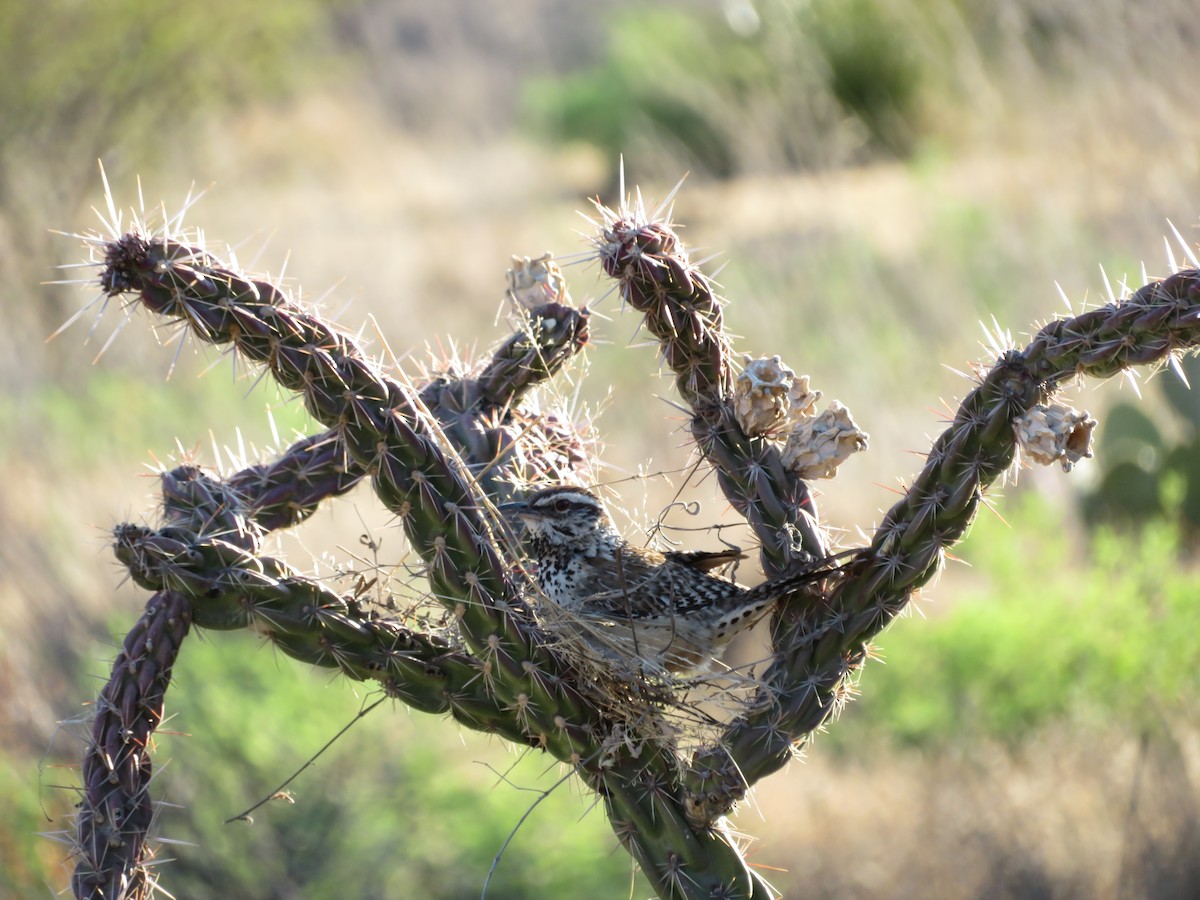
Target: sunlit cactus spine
<point x="442" y="454"/>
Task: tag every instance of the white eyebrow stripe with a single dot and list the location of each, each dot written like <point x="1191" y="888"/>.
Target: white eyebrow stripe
<point x="552" y="495"/>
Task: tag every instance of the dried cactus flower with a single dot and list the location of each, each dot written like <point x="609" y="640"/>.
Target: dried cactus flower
<point x="533" y="282"/>
<point x="1050" y="434"/>
<point x="802" y="400"/>
<point x="819" y="444"/>
<point x="767" y="394"/>
<point x="760" y="396"/>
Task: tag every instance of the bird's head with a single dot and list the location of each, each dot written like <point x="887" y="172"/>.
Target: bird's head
<point x="560" y="514"/>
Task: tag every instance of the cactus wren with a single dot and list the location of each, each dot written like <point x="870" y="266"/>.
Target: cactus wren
<point x="660" y="607"/>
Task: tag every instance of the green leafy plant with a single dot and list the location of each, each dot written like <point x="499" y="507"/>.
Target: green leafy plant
<point x="442" y="454"/>
<point x="983" y="669"/>
<point x="727" y="97"/>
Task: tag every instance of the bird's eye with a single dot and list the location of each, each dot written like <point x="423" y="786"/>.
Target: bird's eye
<point x="562" y="505"/>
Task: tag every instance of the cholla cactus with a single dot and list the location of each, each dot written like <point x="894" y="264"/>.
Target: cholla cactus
<point x="441" y="455"/>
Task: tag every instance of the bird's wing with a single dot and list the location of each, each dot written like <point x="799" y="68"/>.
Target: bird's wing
<point x="628" y="588"/>
<point x="706" y="560"/>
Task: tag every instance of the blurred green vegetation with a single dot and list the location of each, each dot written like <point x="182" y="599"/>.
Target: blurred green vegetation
<point x="651" y="82"/>
<point x="128" y="82"/>
<point x="29" y="860"/>
<point x="872" y="67"/>
<point x="775" y="85"/>
<point x="1151" y="469"/>
<point x="117" y="413"/>
<point x="1101" y="640"/>
<point x="717" y="92"/>
<point x="76" y="78"/>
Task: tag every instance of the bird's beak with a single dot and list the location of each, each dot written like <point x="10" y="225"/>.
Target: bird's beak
<point x="514" y="509"/>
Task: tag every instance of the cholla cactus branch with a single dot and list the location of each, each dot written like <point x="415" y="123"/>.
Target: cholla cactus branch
<point x="115" y="809"/>
<point x="818" y="645"/>
<point x="656" y="277"/>
<point x="1159" y="319"/>
<point x="287" y="491"/>
<point x="502" y="445"/>
<point x="230" y="587"/>
<point x="553" y="333"/>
